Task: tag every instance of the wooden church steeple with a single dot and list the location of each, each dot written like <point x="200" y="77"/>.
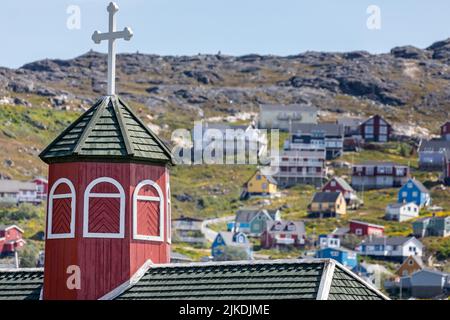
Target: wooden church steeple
<point x="108" y="211"/>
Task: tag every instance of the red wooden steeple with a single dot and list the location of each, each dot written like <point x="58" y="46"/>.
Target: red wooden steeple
<point x="108" y="207"/>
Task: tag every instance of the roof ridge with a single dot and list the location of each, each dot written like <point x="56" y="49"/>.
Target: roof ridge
<point x="146" y="128"/>
<point x="89" y="127"/>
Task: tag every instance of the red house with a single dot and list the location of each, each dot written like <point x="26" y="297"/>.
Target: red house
<point x="338" y="184"/>
<point x="42" y="188"/>
<point x="445" y="131"/>
<point x="361" y="228"/>
<point x="108" y="209"/>
<point x="11" y="238"/>
<point x="375" y="129"/>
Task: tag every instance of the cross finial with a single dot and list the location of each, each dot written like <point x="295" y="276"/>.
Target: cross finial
<point x="112" y="35"/>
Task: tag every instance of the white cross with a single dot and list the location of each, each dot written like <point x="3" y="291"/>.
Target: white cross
<point x="112" y="36"/>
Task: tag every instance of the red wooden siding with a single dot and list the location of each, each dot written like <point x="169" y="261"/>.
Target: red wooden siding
<point x="104" y="215"/>
<point x="148" y="218"/>
<point x="104" y="263"/>
<point x="61" y="216"/>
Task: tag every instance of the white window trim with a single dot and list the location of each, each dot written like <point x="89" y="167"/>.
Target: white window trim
<point x="88" y="195"/>
<point x="52" y="196"/>
<point x="169" y="210"/>
<point x="160" y="198"/>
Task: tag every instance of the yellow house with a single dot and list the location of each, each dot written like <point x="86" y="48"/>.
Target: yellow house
<point x="260" y="184"/>
<point x="327" y="204"/>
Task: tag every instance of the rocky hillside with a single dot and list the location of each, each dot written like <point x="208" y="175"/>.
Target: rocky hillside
<point x="410" y="86"/>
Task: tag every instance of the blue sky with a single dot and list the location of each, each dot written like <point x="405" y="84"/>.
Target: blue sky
<point x="33" y="30"/>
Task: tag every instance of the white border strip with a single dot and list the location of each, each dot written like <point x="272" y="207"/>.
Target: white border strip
<point x="325" y="281"/>
<point x="52" y="196"/>
<point x="160" y="199"/>
<point x="129" y="283"/>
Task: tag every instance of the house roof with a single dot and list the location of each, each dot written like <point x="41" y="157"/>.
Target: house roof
<point x="329" y="129"/>
<point x="377" y="115"/>
<point x="299" y="226"/>
<point x="269" y="177"/>
<point x="289" y="107"/>
<point x="434" y="145"/>
<point x="367" y="224"/>
<point x="21" y="284"/>
<point x="398" y="205"/>
<point x="325" y="197"/>
<point x="9" y="226"/>
<point x="108" y="130"/>
<point x="14" y="186"/>
<point x="343" y="183"/>
<point x="419" y="185"/>
<point x="392" y="241"/>
<point x="380" y="163"/>
<point x="228" y="239"/>
<point x="416" y="259"/>
<point x="247" y="214"/>
<point x="255" y="280"/>
<point x="184" y="218"/>
<point x="314" y="279"/>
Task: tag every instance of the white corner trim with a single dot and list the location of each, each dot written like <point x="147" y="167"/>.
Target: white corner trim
<point x="14" y="226"/>
<point x="52" y="197"/>
<point x="325" y="281"/>
<point x="160" y="199"/>
<point x="88" y="195"/>
<point x="129" y="283"/>
<point x="169" y="209"/>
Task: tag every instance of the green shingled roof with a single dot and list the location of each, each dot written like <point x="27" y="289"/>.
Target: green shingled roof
<point x="322" y="279"/>
<point x="21" y="284"/>
<point x="276" y="279"/>
<point x="107" y="130"/>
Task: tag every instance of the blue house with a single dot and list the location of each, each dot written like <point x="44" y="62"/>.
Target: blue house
<point x="346" y="257"/>
<point x="414" y="191"/>
<point x="231" y="239"/>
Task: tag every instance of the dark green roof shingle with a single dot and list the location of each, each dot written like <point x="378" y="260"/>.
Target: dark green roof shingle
<point x="21" y="285"/>
<point x="108" y="130"/>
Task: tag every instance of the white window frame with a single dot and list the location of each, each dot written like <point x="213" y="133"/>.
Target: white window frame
<point x="52" y="196"/>
<point x="159" y="199"/>
<point x="120" y="196"/>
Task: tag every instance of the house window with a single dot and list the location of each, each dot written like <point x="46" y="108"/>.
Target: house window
<point x="61" y="210"/>
<point x="410" y="185"/>
<point x="415" y="194"/>
<point x="358" y="232"/>
<point x="148" y="212"/>
<point x="264" y="186"/>
<point x="404" y="194"/>
<point x="104" y="209"/>
<point x="258" y="177"/>
<point x="333" y="183"/>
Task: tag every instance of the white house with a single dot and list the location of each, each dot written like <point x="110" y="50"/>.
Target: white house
<point x="393" y="248"/>
<point x="274" y="116"/>
<point x="401" y="211"/>
<point x="15" y="192"/>
<point x="329" y="242"/>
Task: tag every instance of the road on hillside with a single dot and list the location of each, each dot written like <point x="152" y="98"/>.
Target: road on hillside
<point x="210" y="234"/>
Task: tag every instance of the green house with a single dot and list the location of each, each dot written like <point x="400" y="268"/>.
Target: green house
<point x="432" y="226"/>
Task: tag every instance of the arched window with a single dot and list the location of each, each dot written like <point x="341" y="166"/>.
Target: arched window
<point x="148" y="212"/>
<point x="104" y="209"/>
<point x="61" y="210"/>
<point x="169" y="211"/>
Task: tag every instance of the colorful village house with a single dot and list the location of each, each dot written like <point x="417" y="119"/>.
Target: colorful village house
<point x="280" y="234"/>
<point x="253" y="221"/>
<point x="109" y="195"/>
<point x="409" y="266"/>
<point x="347" y="258"/>
<point x="376" y="129"/>
<point x="445" y="131"/>
<point x="237" y="240"/>
<point x="259" y="184"/>
<point x="89" y="253"/>
<point x="361" y="228"/>
<point x="11" y="239"/>
<point x="401" y="211"/>
<point x="338" y="184"/>
<point x="378" y="175"/>
<point x="414" y="191"/>
<point x="434" y="226"/>
<point x="327" y="204"/>
<point x="390" y="248"/>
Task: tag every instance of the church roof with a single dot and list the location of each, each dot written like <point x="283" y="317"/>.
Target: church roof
<point x="21" y="284"/>
<point x="275" y="279"/>
<point x="110" y="130"/>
